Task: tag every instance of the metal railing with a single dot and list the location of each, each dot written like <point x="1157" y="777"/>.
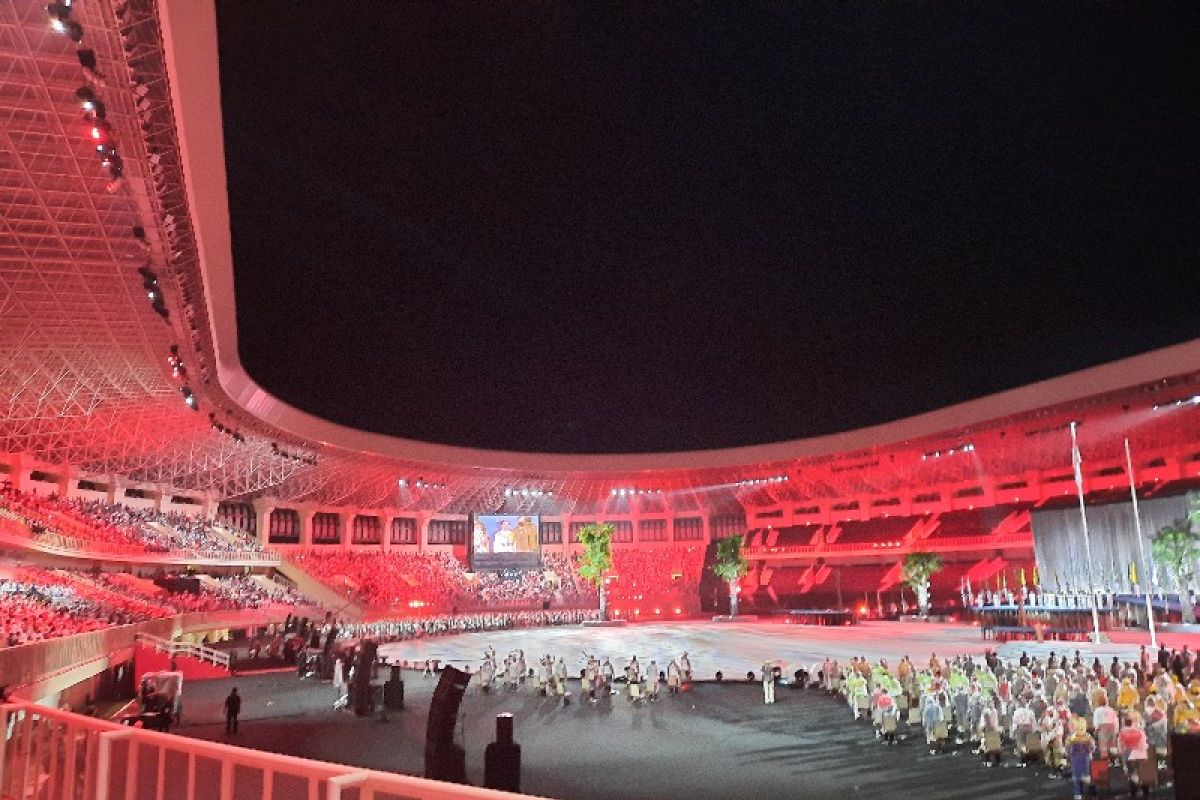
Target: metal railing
<point x="56" y="755"/>
<point x="181" y="648"/>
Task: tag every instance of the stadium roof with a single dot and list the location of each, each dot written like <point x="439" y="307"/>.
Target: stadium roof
<point x="85" y="376"/>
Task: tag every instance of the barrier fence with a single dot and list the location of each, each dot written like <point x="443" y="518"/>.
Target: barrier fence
<point x="46" y="754"/>
<point x="217" y="658"/>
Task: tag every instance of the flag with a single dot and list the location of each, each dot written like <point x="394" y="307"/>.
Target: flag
<point x="1036" y="580"/>
<point x="1022" y="577"/>
<point x="1133" y="573"/>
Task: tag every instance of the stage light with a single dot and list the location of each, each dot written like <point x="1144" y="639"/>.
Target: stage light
<point x="679" y="611"/>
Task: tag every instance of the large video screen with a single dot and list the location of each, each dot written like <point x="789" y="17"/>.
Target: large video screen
<point x="505" y="541"/>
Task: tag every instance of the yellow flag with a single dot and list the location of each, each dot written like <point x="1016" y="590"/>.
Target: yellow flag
<point x="1133" y="572"/>
<point x="1022" y="577"/>
<point x="1036" y="582"/>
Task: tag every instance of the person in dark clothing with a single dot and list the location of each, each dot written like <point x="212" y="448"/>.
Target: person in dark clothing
<point x="233" y="707"/>
<point x="1164" y="656"/>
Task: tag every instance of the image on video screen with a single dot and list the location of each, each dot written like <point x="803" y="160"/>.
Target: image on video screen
<point x="504" y="541"/>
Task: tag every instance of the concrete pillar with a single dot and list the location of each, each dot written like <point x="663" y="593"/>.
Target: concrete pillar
<point x="68" y="473"/>
<point x="306" y="525"/>
<point x="385" y="519"/>
<point x="423" y="520"/>
<point x="346" y="526"/>
<point x="262" y="523"/>
<point x="208" y="506"/>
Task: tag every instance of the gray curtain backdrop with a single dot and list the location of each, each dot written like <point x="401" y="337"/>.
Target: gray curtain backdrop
<point x="1058" y="543"/>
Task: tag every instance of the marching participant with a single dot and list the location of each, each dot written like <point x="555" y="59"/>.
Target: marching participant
<point x="768" y="682"/>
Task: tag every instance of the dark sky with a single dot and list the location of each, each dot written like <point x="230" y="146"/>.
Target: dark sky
<point x="635" y="227"/>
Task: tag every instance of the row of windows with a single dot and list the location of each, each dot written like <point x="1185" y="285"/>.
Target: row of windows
<point x="284" y="528"/>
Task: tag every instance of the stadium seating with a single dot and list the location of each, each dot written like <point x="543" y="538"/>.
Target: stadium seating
<point x="37" y="603"/>
<point x="115" y="526"/>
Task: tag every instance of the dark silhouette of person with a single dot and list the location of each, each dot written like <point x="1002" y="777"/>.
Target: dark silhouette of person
<point x="233" y="707"/>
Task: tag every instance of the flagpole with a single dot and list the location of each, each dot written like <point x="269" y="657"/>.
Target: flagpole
<point x="1137" y="525"/>
<point x="1077" y="463"/>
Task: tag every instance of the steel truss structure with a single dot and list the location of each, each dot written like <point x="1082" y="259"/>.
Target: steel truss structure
<point x="85" y="379"/>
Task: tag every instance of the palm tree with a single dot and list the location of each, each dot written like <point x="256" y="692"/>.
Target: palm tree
<point x="918" y="568"/>
<point x="1175" y="548"/>
<point x="730" y="566"/>
<point x="596" y="559"/>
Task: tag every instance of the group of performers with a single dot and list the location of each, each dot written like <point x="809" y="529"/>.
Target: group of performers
<point x="597" y="677"/>
<point x="1075" y="718"/>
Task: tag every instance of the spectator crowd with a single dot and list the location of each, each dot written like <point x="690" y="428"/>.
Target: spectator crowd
<point x="441" y="582"/>
<point x="37" y="604"/>
<point x="134" y="529"/>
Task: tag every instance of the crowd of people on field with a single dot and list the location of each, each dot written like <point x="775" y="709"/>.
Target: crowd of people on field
<point x="598" y="678"/>
<point x="1078" y="718"/>
<point x="393" y="630"/>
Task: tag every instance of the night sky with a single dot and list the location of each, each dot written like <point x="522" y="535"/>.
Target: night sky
<point x="634" y="227"/>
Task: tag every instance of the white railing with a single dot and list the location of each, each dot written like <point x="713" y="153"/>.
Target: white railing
<point x="55" y="755"/>
<point x="173" y="648"/>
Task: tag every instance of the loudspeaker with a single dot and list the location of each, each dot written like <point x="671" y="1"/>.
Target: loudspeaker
<point x="502" y="758"/>
<point x="393" y="692"/>
<point x="364" y="668"/>
<point x="1185" y="763"/>
<point x="444" y="760"/>
<point x="446" y="763"/>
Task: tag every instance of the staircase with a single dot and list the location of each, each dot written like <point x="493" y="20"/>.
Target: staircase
<point x="321" y="594"/>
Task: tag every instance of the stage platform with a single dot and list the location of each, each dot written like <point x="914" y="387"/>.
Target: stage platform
<point x="736" y="647"/>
